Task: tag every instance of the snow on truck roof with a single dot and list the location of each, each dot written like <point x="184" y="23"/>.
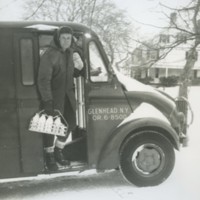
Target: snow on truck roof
<point x="45" y="25"/>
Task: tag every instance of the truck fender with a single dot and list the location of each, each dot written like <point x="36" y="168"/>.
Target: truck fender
<point x="109" y="156"/>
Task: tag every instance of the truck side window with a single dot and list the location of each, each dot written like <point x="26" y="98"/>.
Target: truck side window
<point x="27" y="61"/>
<point x="98" y="71"/>
<point x="44" y="42"/>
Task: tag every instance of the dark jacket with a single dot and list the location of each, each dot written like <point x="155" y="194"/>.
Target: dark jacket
<point x="55" y="77"/>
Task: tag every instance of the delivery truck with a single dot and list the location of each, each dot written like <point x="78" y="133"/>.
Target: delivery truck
<point x="122" y="124"/>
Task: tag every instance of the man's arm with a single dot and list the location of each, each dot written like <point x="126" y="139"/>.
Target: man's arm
<point x="78" y="65"/>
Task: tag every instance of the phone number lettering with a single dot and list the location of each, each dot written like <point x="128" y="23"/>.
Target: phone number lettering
<point x="113" y="113"/>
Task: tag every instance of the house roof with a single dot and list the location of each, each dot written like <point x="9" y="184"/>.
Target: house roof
<point x="176" y="59"/>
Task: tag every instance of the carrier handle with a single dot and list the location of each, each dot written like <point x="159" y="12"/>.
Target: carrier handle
<point x="60" y="114"/>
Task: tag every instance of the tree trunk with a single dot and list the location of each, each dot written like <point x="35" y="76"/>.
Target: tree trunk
<point x="185" y="77"/>
<point x="185" y="80"/>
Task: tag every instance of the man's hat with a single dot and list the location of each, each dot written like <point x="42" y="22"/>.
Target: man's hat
<point x="64" y="29"/>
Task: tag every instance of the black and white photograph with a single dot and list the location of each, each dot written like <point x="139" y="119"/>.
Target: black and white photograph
<point x="99" y="99"/>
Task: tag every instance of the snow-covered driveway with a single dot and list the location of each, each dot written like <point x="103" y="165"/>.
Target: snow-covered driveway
<point x="183" y="184"/>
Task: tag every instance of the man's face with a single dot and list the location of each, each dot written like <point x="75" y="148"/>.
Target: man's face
<point x="65" y="41"/>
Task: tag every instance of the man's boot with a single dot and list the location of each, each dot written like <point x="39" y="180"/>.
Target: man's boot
<point x="50" y="161"/>
<point x="60" y="157"/>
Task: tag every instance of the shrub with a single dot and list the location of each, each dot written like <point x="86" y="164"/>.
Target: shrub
<point x="145" y="80"/>
<point x="169" y="81"/>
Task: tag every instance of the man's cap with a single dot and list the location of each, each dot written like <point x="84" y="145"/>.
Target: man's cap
<point x="64" y="29"/>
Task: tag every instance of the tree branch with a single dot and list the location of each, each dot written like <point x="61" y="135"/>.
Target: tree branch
<point x="39" y="6"/>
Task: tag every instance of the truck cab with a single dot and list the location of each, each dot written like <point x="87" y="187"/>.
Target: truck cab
<point x="121" y="123"/>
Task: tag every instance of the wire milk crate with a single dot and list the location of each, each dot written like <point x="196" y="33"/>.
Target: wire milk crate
<point x="43" y="123"/>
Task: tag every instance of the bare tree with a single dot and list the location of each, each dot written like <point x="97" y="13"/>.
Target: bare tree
<point x="186" y="20"/>
<point x="183" y="21"/>
<point x="102" y="16"/>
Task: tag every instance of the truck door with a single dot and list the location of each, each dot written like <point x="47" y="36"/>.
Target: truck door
<point x="106" y="104"/>
<point x="9" y="141"/>
<point x="26" y="61"/>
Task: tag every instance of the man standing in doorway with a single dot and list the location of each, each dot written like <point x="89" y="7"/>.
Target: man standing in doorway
<point x="56" y="87"/>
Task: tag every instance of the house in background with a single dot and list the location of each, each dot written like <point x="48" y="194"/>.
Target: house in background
<point x="157" y="59"/>
<point x="174" y="60"/>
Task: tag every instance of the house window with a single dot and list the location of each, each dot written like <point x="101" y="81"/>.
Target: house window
<point x="195" y="73"/>
<point x="44" y="42"/>
<point x="27" y="61"/>
<point x="138" y="53"/>
<point x="181" y="37"/>
<point x="191" y="55"/>
<point x="153" y="54"/>
<point x="156" y="72"/>
<point x="164" y="38"/>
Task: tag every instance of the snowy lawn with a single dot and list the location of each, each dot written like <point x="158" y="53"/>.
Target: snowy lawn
<point x="184" y="182"/>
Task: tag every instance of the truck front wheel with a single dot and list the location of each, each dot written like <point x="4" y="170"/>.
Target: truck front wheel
<point x="147" y="158"/>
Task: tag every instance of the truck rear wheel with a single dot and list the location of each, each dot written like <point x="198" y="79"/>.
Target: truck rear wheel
<point x="147" y="159"/>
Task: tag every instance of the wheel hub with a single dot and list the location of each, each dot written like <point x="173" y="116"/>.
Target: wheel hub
<point x="147" y="158"/>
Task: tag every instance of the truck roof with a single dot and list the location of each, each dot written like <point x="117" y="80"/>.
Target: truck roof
<point x="34" y="24"/>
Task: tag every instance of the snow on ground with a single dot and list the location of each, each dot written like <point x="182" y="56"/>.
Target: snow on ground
<point x="183" y="184"/>
<point x="186" y="174"/>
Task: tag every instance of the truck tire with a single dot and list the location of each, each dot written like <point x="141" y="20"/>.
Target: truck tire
<point x="147" y="158"/>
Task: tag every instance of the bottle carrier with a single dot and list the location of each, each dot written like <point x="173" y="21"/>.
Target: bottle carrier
<point x="43" y="123"/>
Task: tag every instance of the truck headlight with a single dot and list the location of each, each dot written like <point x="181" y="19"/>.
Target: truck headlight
<point x="182" y="118"/>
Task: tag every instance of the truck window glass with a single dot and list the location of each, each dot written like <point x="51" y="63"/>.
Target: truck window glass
<point x="44" y="42"/>
<point x="98" y="71"/>
<point x="27" y="61"/>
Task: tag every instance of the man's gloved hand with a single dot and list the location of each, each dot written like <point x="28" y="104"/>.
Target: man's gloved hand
<point x="48" y="107"/>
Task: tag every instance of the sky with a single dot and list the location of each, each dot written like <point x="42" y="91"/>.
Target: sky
<point x="10" y="9"/>
<point x="145" y="13"/>
<point x="139" y="12"/>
